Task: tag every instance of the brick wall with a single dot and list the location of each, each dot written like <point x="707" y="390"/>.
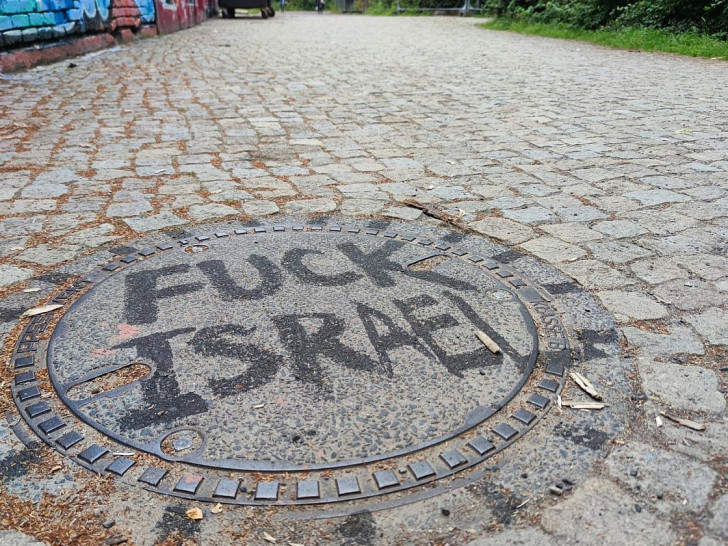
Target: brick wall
<point x="31" y="21"/>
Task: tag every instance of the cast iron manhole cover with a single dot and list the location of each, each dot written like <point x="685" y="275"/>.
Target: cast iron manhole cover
<point x="291" y="365"/>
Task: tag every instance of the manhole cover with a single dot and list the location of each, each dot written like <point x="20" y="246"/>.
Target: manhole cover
<point x="291" y="365"/>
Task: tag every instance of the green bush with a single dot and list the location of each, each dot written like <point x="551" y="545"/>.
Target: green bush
<point x="702" y="16"/>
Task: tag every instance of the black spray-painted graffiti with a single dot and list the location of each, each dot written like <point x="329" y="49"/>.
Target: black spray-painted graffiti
<point x="306" y="348"/>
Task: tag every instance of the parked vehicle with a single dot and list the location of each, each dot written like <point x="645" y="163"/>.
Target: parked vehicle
<point x="228" y="7"/>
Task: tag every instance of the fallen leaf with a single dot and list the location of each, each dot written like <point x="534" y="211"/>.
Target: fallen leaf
<point x="194" y="513"/>
<point x="269" y="538"/>
<point x="42" y="309"/>
<point x="216" y="509"/>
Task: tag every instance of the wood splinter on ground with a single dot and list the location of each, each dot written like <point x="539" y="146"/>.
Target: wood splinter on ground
<point x="684" y="422"/>
<point x="585" y="385"/>
<point x="583" y="405"/>
<point x="488" y="342"/>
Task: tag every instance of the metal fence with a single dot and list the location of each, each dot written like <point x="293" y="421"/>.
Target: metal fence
<point x="462" y="7"/>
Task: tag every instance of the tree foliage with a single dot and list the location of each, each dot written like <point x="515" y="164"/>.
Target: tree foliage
<point x="703" y="16"/>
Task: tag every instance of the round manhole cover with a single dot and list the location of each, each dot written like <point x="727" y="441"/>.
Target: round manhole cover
<point x="291" y="365"/>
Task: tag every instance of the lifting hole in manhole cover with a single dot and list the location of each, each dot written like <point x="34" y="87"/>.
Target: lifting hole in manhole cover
<point x="348" y="360"/>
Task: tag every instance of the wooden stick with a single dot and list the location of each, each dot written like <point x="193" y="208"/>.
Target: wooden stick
<point x="492" y="345"/>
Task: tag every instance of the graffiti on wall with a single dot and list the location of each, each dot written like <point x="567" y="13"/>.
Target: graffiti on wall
<point x="29" y="21"/>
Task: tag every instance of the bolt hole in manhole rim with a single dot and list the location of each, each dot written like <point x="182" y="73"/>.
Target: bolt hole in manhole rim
<point x="391" y="285"/>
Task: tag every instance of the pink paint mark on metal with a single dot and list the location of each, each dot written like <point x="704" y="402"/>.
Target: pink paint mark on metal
<point x="126" y="331"/>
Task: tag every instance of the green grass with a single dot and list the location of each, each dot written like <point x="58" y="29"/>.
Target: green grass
<point x="694" y="45"/>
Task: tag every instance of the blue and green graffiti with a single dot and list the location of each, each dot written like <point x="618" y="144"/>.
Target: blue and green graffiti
<point x="28" y="21"/>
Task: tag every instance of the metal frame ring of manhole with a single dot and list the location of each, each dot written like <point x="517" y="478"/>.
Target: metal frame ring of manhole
<point x="292" y="364"/>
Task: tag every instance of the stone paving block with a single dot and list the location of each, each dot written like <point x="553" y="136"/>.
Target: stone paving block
<point x="600" y="513"/>
<point x="718" y="523"/>
<point x="572" y="232"/>
<point x="631" y="305"/>
<point x="503" y="230"/>
<point x="553" y="250"/>
<point x="661" y="471"/>
<point x="712" y="325"/>
<point x="201" y="213"/>
<point x="10" y="274"/>
<point x="680" y="340"/>
<point x="689" y="388"/>
<point x="47" y="255"/>
<point x="595" y="275"/>
<point x="403" y="213"/>
<point x="657" y="270"/>
<point x="157" y="221"/>
<point x="260" y="208"/>
<point x="16" y="538"/>
<point x="617" y="252"/>
<point x="517" y="537"/>
<point x="530" y="215"/>
<point x="690" y="295"/>
<point x="657" y="197"/>
<point x="361" y="206"/>
<point x="310" y="206"/>
<point x="619" y="229"/>
<point x="93" y="237"/>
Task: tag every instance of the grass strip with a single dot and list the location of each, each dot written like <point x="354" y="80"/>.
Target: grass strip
<point x="693" y="45"/>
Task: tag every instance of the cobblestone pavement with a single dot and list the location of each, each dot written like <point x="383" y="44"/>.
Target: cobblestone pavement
<point x="612" y="166"/>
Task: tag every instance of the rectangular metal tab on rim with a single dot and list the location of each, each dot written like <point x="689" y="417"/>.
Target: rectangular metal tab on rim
<point x="421" y="470"/>
<point x="111" y="267"/>
<point x="227" y="488"/>
<point x="442" y="246"/>
<point x="505" y="431"/>
<point x="334" y="228"/>
<point x="165" y="247"/>
<point x="317" y="228"/>
<point x="69" y="439"/>
<point x="407" y="238"/>
<point x="279" y="228"/>
<point x="389" y="235"/>
<point x="128" y="259"/>
<point x="146" y="252"/>
<point x="524" y="416"/>
<point x="308" y="489"/>
<point x="221" y="234"/>
<point x="37" y="409"/>
<point x="548" y="384"/>
<point x="475" y="259"/>
<point x="120" y="466"/>
<point x="241" y="231"/>
<point x="25" y="377"/>
<point x="202" y="238"/>
<point x="453" y="458"/>
<point x="459" y="252"/>
<point x="153" y="475"/>
<point x="23" y="362"/>
<point x="260" y="230"/>
<point x="188" y="483"/>
<point x="28" y="393"/>
<point x="481" y="445"/>
<point x="93" y="453"/>
<point x="353" y="230"/>
<point x="267" y="491"/>
<point x="372" y="232"/>
<point x="348" y="486"/>
<point x="538" y="400"/>
<point x="385" y="478"/>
